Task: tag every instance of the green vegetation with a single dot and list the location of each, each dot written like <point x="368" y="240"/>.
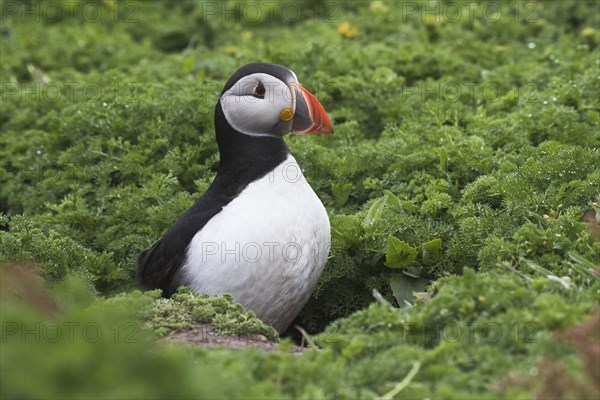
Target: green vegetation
<point x="465" y="167"/>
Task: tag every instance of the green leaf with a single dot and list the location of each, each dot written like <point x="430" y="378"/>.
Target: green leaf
<point x="404" y="288"/>
<point x="415" y="270"/>
<point x="581" y="260"/>
<point x="393" y="200"/>
<point x="537" y="268"/>
<point x="443" y="160"/>
<point x="431" y="251"/>
<point x="597" y="210"/>
<point x="341" y="192"/>
<point x="583" y="265"/>
<point x="398" y="253"/>
<point x="375" y="211"/>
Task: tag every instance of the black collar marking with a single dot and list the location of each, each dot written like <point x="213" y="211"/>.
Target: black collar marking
<point x="244" y="159"/>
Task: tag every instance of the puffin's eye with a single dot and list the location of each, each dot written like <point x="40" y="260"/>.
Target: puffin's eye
<point x="259" y="91"/>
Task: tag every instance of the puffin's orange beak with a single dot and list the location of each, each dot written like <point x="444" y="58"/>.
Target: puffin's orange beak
<point x="310" y="116"/>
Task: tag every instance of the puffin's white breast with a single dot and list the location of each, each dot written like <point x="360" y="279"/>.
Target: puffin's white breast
<point x="267" y="247"/>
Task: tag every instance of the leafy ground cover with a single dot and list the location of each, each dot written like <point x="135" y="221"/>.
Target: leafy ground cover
<point x="465" y="167"/>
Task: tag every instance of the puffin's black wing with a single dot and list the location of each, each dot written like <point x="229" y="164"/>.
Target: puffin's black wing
<point x="159" y="266"/>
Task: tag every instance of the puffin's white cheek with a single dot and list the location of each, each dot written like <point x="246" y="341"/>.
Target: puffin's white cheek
<point x="250" y="115"/>
<point x="257" y="117"/>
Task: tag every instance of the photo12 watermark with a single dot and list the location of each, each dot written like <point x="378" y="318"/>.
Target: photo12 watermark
<point x="69" y="11"/>
<point x="69" y="91"/>
<point x="129" y="332"/>
<point x="70" y="332"/>
<point x="248" y="253"/>
<point x="270" y="11"/>
<point x="468" y="92"/>
<point x="460" y="11"/>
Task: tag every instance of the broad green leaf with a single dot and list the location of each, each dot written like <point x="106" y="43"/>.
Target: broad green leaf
<point x="415" y="270"/>
<point x="393" y="200"/>
<point x="341" y="192"/>
<point x="431" y="251"/>
<point x="398" y="253"/>
<point x="404" y="288"/>
<point x="375" y="211"/>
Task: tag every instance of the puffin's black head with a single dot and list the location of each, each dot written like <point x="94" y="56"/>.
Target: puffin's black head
<point x="266" y="100"/>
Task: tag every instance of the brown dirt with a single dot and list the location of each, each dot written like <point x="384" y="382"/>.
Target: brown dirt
<point x="20" y="282"/>
<point x="204" y="335"/>
<point x="553" y="381"/>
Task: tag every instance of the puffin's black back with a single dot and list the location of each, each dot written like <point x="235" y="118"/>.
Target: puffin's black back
<point x="244" y="159"/>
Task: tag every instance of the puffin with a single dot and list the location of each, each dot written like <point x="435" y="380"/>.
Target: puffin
<point x="259" y="232"/>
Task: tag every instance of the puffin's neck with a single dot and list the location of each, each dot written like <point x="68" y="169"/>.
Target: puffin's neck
<point x="253" y="156"/>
